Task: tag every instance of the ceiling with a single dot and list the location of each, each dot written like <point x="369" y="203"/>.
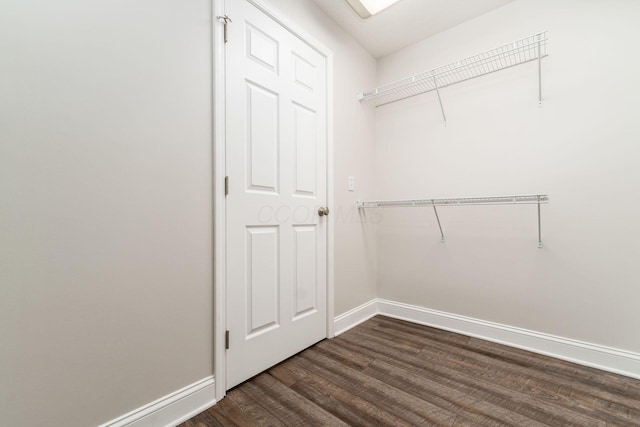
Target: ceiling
<point x="406" y="22"/>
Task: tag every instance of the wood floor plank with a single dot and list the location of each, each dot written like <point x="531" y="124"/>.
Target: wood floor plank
<point x="409" y="407"/>
<point x="574" y="394"/>
<point x="353" y="410"/>
<point x="287" y="405"/>
<point x="472" y="408"/>
<point x="389" y="372"/>
<point x="344" y="355"/>
<point x="477" y="383"/>
<point x="595" y="401"/>
<point x="237" y="408"/>
<point x="214" y="420"/>
<point x="441" y="376"/>
<point x="512" y="377"/>
<point x="417" y="330"/>
<point x="590" y="376"/>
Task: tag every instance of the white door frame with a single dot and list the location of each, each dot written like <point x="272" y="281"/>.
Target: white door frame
<point x="219" y="173"/>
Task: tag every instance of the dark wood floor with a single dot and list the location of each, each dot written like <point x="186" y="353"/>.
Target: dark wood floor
<point x="390" y="372"/>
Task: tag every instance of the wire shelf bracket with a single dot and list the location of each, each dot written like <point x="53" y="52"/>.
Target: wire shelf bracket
<point x="528" y="49"/>
<point x="536" y="199"/>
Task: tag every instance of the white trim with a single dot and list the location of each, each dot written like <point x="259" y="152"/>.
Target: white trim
<point x="219" y="202"/>
<point x="220" y="173"/>
<point x="355" y="316"/>
<point x="593" y="355"/>
<point x="172" y="409"/>
<point x="330" y="198"/>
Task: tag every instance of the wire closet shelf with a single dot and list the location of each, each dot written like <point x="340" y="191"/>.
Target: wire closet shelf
<point x="500" y="200"/>
<point x="532" y="48"/>
<point x="534" y="199"/>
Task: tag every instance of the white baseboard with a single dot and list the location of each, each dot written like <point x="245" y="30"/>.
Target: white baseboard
<point x="172" y="409"/>
<point x="183" y="404"/>
<point x="355" y="316"/>
<point x="593" y="355"/>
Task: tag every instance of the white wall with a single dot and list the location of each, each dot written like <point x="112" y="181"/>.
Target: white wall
<point x="105" y="231"/>
<point x="354" y="152"/>
<point x="581" y="148"/>
<point x="106" y="302"/>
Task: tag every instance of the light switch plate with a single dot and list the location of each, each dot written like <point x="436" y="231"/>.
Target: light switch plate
<point x="351" y="185"/>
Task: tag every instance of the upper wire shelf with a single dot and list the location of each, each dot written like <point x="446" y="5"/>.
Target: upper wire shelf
<point x="528" y="49"/>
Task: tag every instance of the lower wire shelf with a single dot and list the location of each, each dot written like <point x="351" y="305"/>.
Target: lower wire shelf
<point x="534" y="199"/>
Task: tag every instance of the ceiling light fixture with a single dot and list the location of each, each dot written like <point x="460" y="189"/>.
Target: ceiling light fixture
<point x="367" y="8"/>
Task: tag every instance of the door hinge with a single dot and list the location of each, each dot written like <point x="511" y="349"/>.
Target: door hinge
<point x="226" y="185"/>
<point x="225" y="20"/>
<point x="226" y="340"/>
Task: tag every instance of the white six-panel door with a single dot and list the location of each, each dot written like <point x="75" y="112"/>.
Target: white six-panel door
<point x="277" y="165"/>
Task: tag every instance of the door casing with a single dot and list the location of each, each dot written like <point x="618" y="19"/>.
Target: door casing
<point x="219" y="173"/>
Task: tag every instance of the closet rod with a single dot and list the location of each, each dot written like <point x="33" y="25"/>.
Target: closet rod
<point x="534" y="199"/>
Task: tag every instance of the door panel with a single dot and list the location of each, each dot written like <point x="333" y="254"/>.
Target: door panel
<point x="263" y="278"/>
<point x="306" y="159"/>
<point x="305" y="248"/>
<point x="262" y="48"/>
<point x="304" y="72"/>
<point x="277" y="166"/>
<point x="262" y="138"/>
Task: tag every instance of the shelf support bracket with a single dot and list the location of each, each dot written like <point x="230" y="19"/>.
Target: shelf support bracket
<point x="539" y="70"/>
<point x="444" y="117"/>
<point x="438" y="219"/>
<point x="539" y="225"/>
